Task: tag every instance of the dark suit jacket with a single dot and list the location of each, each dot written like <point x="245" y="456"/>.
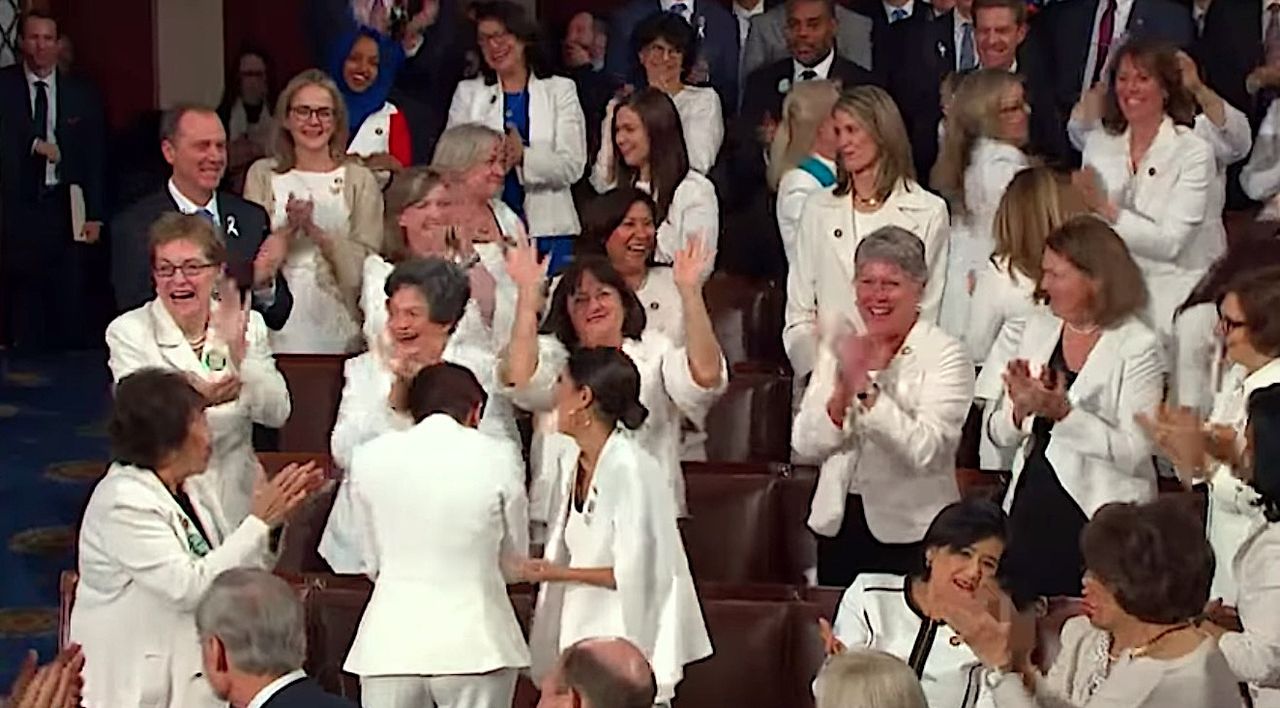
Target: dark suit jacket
<point x="79" y="131"/>
<point x="1229" y="49"/>
<point x="885" y="37"/>
<point x="718" y="44"/>
<point x="924" y="53"/>
<point x="1063" y="30"/>
<point x="131" y="261"/>
<point x="306" y="693"/>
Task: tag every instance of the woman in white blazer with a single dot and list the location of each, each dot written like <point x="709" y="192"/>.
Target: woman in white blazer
<point x="426" y="299"/>
<point x="1260" y="177"/>
<point x="217" y="345"/>
<point x="666" y="45"/>
<point x="644" y="132"/>
<point x="985" y="131"/>
<point x="1079" y="377"/>
<point x="469" y="156"/>
<point x="152" y="539"/>
<point x="1150" y="176"/>
<point x="614" y="564"/>
<point x="802" y="157"/>
<point x="1169" y="207"/>
<point x="1037" y="201"/>
<point x="875" y="188"/>
<point x="883" y="414"/>
<point x="544" y="150"/>
<point x="592" y="306"/>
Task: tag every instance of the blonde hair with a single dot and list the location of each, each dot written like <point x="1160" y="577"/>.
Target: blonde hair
<point x="283" y="148"/>
<point x="1036" y="202"/>
<point x="406" y="189"/>
<point x="878" y="115"/>
<point x="973" y="113"/>
<point x="462" y="147"/>
<point x="808" y="104"/>
<point x="868" y="679"/>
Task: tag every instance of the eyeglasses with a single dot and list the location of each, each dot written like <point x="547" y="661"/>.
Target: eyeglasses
<point x="495" y="38"/>
<point x="324" y="114"/>
<point x="1229" y="325"/>
<point x="191" y="269"/>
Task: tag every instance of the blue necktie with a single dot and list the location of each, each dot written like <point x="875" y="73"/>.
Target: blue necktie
<point x="207" y="216"/>
<point x="897" y="14"/>
<point x="968" y="60"/>
<point x="679" y="9"/>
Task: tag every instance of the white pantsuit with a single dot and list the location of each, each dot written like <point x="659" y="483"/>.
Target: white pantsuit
<point x="148" y="336"/>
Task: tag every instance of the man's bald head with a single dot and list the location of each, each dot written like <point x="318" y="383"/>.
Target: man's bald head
<point x="604" y="673"/>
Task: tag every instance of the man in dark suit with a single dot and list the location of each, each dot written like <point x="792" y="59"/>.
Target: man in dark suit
<point x="1075" y="37"/>
<point x="194" y="143"/>
<point x="888" y="18"/>
<point x="717" y="61"/>
<point x="1232" y="51"/>
<point x="51" y="155"/>
<point x="253" y="641"/>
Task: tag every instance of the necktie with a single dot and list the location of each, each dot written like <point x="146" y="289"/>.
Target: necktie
<point x="41" y="115"/>
<point x="808" y="75"/>
<point x="968" y="59"/>
<point x="1271" y="37"/>
<point x="1106" y="28"/>
<point x="679" y="9"/>
<point x="207" y="216"/>
<point x="897" y="14"/>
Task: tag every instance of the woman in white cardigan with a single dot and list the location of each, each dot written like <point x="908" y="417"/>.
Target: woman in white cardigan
<point x="883" y="413"/>
<point x="153" y="538"/>
<point x="1077" y="380"/>
<point x="644" y="132"/>
<point x="876" y="187"/>
<point x="1167" y="203"/>
<point x="544" y="149"/>
<point x="802" y="157"/>
<point x="986" y="129"/>
<point x="219" y="346"/>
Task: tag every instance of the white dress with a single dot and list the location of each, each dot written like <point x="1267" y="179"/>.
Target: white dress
<point x="319" y="323"/>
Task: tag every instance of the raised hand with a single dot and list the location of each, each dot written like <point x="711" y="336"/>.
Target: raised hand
<point x="230" y="320"/>
<point x="692" y="262"/>
<point x="1020" y="387"/>
<point x="1180" y="435"/>
<point x="524" y="267"/>
<point x="275" y="499"/>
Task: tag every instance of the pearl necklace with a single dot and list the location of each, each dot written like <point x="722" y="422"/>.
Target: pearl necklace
<point x="1091" y="329"/>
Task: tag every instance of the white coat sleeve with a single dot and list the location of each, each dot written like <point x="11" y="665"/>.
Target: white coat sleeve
<point x="515" y="510"/>
<point x="1163" y="235"/>
<point x="602" y="178"/>
<point x="459" y="107"/>
<point x="851" y="625"/>
<point x="373" y="298"/>
<point x="692" y="400"/>
<point x="538" y="393"/>
<point x="697" y="214"/>
<point x="706" y="133"/>
<point x="364" y="412"/>
<point x="1231" y="141"/>
<point x="794" y="187"/>
<point x="263" y="389"/>
<point x="986" y="314"/>
<point x="800" y="323"/>
<point x="1254" y="655"/>
<point x="1000" y="429"/>
<point x="1260" y="177"/>
<point x="1078" y="131"/>
<point x="125" y="353"/>
<point x="813" y="434"/>
<point x="560" y="164"/>
<point x="1121" y="442"/>
<point x="937" y="246"/>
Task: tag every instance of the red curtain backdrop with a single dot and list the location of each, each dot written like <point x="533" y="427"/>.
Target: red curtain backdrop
<point x="115" y="47"/>
<point x="276" y="27"/>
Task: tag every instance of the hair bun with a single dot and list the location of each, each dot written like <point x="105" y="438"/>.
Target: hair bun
<point x="634" y="415"/>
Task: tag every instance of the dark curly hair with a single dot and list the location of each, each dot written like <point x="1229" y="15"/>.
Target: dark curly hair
<point x="152" y="416"/>
<point x="558" y="322"/>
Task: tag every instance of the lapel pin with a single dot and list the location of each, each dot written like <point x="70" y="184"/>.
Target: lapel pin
<point x="653" y="305"/>
<point x="231" y="226"/>
<point x="839" y="233"/>
<point x="784" y="85"/>
<point x="378" y="132"/>
<point x="1151" y="172"/>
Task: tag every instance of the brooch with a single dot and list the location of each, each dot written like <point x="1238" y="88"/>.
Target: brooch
<point x="784" y="86"/>
<point x="377" y="132"/>
<point x="337" y="186"/>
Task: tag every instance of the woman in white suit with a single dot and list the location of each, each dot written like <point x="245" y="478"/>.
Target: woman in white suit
<point x="1161" y="182"/>
<point x="652" y="156"/>
<point x="219" y="346"/>
<point x="883" y="414"/>
<point x="1150" y="176"/>
<point x="802" y="157"/>
<point x="982" y="151"/>
<point x="544" y="150"/>
<point x="1079" y="377"/>
<point x="153" y="538"/>
<point x="1036" y="202"/>
<point x="614" y="564"/>
<point x="875" y="187"/>
<point x="592" y="306"/>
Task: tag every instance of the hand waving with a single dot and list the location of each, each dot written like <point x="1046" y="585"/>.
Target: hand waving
<point x="692" y="262"/>
<point x="275" y="499"/>
<point x="54" y="685"/>
<point x="524" y="267"/>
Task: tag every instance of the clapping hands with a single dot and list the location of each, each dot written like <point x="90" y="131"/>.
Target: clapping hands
<point x="54" y="685"/>
<point x="274" y="500"/>
<point x="1044" y="395"/>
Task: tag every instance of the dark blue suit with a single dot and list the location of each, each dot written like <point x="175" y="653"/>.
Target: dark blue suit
<point x="718" y="44"/>
<point x="306" y="693"/>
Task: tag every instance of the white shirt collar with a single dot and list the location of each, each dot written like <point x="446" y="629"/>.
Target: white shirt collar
<point x="668" y="4"/>
<point x="822" y="68"/>
<point x="909" y="8"/>
<point x="186" y="206"/>
<point x="275" y="687"/>
<point x="32" y="78"/>
<point x="744" y="14"/>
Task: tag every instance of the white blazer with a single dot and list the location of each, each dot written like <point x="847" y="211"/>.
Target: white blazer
<point x="440" y="509"/>
<point x="1254" y="655"/>
<point x="660" y="612"/>
<point x="701" y="124"/>
<point x="374" y="135"/>
<point x="148" y="336"/>
<point x="1260" y="177"/>
<point x="820" y="278"/>
<point x="900" y="455"/>
<point x="794" y="190"/>
<point x="1098" y="451"/>
<point x="141" y="577"/>
<point x="556" y="154"/>
<point x="1003" y="299"/>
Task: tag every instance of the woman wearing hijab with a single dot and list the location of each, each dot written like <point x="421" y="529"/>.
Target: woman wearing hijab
<point x="364" y="65"/>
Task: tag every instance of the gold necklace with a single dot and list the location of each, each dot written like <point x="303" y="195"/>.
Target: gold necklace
<point x="865" y="201"/>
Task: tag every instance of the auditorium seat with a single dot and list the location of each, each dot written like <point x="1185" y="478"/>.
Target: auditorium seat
<point x="747" y="316"/>
<point x="300" y="537"/>
<point x="752" y="420"/>
<point x="334" y="607"/>
<point x="1244" y="226"/>
<point x="799" y="545"/>
<point x="732" y="528"/>
<point x="315" y="387"/>
<point x="749" y="666"/>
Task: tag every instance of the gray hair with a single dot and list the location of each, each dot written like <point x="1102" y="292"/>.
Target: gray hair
<point x="895" y="245"/>
<point x="464" y="146"/>
<point x="868" y="679"/>
<point x="444" y="285"/>
<point x="259" y="620"/>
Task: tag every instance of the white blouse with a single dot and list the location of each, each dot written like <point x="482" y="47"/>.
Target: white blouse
<point x="793" y="190"/>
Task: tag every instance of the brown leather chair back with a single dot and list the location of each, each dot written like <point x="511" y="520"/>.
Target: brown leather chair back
<point x="749" y="667"/>
<point x="300" y="536"/>
<point x="798" y="545"/>
<point x="747" y="316"/>
<point x="334" y="608"/>
<point x="315" y="386"/>
<point x="752" y="420"/>
<point x="732" y="527"/>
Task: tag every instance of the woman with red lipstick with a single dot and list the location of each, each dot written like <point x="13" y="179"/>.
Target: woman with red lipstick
<point x="883" y="413"/>
<point x="1137" y="645"/>
<point x="1149" y="175"/>
<point x="592" y="306"/>
<point x="1078" y="378"/>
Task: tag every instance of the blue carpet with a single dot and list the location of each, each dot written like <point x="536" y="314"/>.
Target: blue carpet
<point x="53" y="447"/>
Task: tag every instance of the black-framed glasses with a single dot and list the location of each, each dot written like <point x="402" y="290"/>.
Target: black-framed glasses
<point x="191" y="269"/>
<point x="324" y="114"/>
<point x="1228" y="325"/>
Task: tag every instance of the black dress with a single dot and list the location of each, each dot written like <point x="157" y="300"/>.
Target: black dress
<point x="1044" y="555"/>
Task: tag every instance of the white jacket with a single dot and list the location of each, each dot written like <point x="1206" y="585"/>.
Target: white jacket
<point x="440" y="508"/>
<point x="140" y="580"/>
<point x="900" y="455"/>
<point x="794" y="189"/>
<point x="148" y="336"/>
<point x="1254" y="655"/>
<point x="820" y="278"/>
<point x="374" y="135"/>
<point x="1260" y="177"/>
<point x="1098" y="451"/>
<point x="556" y="155"/>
